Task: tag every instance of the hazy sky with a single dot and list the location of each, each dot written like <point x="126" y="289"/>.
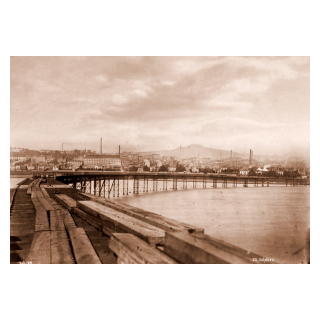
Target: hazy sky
<point x="159" y="103"/>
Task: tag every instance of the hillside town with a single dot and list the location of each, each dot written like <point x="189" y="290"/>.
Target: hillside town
<point x="25" y="160"/>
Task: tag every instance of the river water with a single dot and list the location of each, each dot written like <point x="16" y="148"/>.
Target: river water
<point x="14" y="181"/>
<point x="269" y="221"/>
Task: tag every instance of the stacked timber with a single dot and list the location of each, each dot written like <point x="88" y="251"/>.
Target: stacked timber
<point x="82" y="247"/>
<point x="137" y="234"/>
<point x="111" y="221"/>
<point x="200" y="248"/>
<point x="66" y="202"/>
<point x="154" y="219"/>
<point x="132" y="250"/>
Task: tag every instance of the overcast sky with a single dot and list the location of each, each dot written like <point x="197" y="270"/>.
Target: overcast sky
<point x="160" y="103"/>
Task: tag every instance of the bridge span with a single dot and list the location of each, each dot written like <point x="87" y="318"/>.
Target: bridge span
<point x="106" y="183"/>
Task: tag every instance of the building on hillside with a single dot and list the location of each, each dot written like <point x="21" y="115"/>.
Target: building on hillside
<point x="147" y="163"/>
<point x="171" y="169"/>
<point x="39" y="159"/>
<point x="75" y="163"/>
<point x="155" y="156"/>
<point x="18" y="156"/>
<point x="158" y="163"/>
<point x="102" y="160"/>
<point x="244" y="172"/>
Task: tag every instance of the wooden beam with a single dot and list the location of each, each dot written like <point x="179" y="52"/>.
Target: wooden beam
<point x="61" y="252"/>
<point x="167" y="224"/>
<point x="82" y="247"/>
<point x="67" y="219"/>
<point x="202" y="249"/>
<point x="56" y="221"/>
<point x="132" y="250"/>
<point x="115" y="220"/>
<point x="66" y="202"/>
<point x="40" y="251"/>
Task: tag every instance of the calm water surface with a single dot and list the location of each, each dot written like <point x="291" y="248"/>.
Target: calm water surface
<point x="270" y="221"/>
<point x="14" y="181"/>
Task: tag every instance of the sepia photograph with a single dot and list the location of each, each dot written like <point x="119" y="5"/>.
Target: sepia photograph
<point x="165" y="149"/>
<point x="159" y="160"/>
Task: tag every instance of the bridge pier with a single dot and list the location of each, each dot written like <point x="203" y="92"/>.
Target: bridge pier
<point x="245" y="183"/>
<point x="235" y="183"/>
<point x="155" y="184"/>
<point x="174" y="183"/>
<point x="116" y="187"/>
<point x="204" y="183"/>
<point x="83" y="185"/>
<point x="214" y="183"/>
<point x="224" y="183"/>
<point x="256" y="182"/>
<point x="145" y="184"/>
<point x="185" y="183"/>
<point x="164" y="183"/>
<point x="135" y="185"/>
<point x="125" y="186"/>
<point x="194" y="183"/>
<point x="98" y="184"/>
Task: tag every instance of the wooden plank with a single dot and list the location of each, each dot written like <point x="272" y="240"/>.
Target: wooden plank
<point x="132" y="250"/>
<point x="82" y="247"/>
<point x="40" y="252"/>
<point x="29" y="190"/>
<point x="45" y="193"/>
<point x="89" y="219"/>
<point x="157" y="220"/>
<point x="202" y="249"/>
<point x="119" y="222"/>
<point x="41" y="221"/>
<point x="61" y="252"/>
<point x="56" y="221"/>
<point x="38" y="205"/>
<point x="66" y="202"/>
<point x="46" y="204"/>
<point x="67" y="219"/>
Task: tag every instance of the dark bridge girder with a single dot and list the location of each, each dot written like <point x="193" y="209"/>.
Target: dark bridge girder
<point x="106" y="183"/>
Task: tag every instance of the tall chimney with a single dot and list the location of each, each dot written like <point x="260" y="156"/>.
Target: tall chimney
<point x="119" y="151"/>
<point x="231" y="155"/>
<point x="250" y="157"/>
<point x="100" y="145"/>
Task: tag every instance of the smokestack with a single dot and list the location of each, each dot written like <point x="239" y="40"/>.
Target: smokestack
<point x="100" y="145"/>
<point x="250" y="157"/>
<point x="180" y="153"/>
<point x="119" y="151"/>
<point x="231" y="155"/>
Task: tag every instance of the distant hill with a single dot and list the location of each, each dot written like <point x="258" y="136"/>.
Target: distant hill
<point x="195" y="150"/>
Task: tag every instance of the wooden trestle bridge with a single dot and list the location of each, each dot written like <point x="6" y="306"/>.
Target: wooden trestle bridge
<point x="105" y="184"/>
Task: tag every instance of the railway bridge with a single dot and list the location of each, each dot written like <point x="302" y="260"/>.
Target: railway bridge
<point x="107" y="183"/>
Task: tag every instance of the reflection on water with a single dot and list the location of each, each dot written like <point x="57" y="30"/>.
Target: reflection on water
<point x="268" y="221"/>
<point x="14" y="181"/>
